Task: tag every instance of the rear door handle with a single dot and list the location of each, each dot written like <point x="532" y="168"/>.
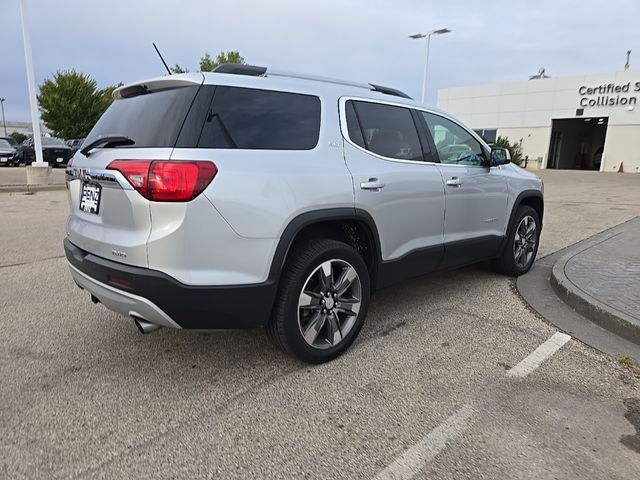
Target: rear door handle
<point x="454" y="182"/>
<point x="373" y="184"/>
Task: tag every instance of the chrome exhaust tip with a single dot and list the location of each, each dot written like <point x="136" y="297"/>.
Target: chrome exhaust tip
<point x="145" y="327"/>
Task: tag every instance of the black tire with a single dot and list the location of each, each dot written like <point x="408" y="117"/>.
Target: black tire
<point x="304" y="259"/>
<point x="507" y="263"/>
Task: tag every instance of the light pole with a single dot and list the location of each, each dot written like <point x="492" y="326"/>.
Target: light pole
<point x="417" y="36"/>
<point x="35" y="115"/>
<point x="4" y="123"/>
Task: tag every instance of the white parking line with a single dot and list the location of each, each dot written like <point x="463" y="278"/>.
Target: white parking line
<point x="415" y="459"/>
<point x="428" y="447"/>
<point x="539" y="355"/>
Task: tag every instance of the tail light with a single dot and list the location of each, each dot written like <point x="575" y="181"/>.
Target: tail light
<point x="167" y="181"/>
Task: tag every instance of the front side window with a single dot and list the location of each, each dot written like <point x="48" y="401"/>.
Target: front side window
<point x="386" y="130"/>
<point x="453" y="143"/>
<point x="261" y="120"/>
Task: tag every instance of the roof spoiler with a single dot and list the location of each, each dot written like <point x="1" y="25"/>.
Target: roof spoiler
<point x="156" y="84"/>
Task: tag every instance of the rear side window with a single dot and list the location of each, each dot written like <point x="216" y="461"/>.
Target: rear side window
<point x="150" y="120"/>
<point x="262" y="120"/>
<point x="387" y="130"/>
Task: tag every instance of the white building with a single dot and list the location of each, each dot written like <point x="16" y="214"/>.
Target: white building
<point x="22" y="127"/>
<point x="589" y="122"/>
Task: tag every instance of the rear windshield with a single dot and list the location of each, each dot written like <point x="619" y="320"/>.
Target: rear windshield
<point x="248" y="118"/>
<point x="150" y="120"/>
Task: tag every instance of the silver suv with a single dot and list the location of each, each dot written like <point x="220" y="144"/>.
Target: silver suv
<point x="246" y="197"/>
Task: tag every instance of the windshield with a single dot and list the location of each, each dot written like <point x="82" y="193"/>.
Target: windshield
<point x="4" y="144"/>
<point x="52" y="142"/>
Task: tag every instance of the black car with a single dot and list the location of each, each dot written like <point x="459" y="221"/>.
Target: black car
<point x="55" y="152"/>
<point x="7" y="154"/>
<point x="11" y="141"/>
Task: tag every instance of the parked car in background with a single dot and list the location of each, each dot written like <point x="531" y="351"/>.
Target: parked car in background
<point x="55" y="152"/>
<point x="74" y="143"/>
<point x="10" y="140"/>
<point x="7" y="153"/>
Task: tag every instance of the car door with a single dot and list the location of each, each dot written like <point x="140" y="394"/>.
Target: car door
<point x="476" y="195"/>
<point x="396" y="182"/>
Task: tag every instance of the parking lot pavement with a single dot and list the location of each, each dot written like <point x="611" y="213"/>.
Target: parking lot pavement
<point x="427" y="390"/>
<point x="580" y="204"/>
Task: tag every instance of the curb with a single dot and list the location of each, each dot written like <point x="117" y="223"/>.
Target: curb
<point x="31" y="188"/>
<point x="586" y="305"/>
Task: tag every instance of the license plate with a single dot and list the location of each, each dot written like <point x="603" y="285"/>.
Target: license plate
<point x="90" y="198"/>
<point x="3" y="160"/>
<point x="59" y="159"/>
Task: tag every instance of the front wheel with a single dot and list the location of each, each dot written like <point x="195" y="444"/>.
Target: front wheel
<point x="522" y="243"/>
<point x="322" y="300"/>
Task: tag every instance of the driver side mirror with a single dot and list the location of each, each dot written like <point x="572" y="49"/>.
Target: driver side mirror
<point x="500" y="156"/>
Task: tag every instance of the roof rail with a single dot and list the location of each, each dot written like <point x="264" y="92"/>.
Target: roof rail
<point x="255" y="71"/>
<point x="316" y="78"/>
<point x="389" y="91"/>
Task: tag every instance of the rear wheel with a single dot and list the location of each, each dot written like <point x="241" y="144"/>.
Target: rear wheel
<point x="522" y="243"/>
<point x="322" y="301"/>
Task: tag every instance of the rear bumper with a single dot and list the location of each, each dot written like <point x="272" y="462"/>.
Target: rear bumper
<point x="160" y="299"/>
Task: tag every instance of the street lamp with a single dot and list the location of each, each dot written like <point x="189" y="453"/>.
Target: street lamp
<point x="31" y="83"/>
<point x="417" y="36"/>
<point x="4" y="124"/>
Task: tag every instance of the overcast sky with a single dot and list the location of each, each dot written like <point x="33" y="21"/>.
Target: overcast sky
<point x="491" y="40"/>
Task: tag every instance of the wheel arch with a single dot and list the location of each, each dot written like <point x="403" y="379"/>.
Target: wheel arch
<point x="534" y="201"/>
<point x="353" y="226"/>
<point x="532" y="198"/>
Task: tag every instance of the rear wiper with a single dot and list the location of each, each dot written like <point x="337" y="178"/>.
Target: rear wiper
<point x="107" y="141"/>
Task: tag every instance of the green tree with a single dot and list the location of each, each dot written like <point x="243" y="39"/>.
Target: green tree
<point x="515" y="148"/>
<point x="178" y="69"/>
<point x="18" y="137"/>
<point x="208" y="63"/>
<point x="71" y="103"/>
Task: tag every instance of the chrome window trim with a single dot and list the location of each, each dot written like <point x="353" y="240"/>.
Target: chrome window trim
<point x="345" y="134"/>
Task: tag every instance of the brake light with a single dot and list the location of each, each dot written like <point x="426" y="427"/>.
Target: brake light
<point x="167" y="181"/>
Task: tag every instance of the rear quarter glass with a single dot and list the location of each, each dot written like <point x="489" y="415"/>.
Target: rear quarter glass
<point x="224" y="117"/>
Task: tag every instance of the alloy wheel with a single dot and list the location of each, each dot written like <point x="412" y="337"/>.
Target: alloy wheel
<point x="329" y="303"/>
<point x="525" y="241"/>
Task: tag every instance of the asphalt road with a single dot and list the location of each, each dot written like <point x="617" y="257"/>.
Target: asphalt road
<point x="428" y="389"/>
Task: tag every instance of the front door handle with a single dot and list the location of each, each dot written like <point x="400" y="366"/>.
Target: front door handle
<point x="454" y="182"/>
<point x="373" y="184"/>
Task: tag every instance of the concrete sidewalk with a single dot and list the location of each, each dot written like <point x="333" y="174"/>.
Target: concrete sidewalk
<point x="600" y="278"/>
